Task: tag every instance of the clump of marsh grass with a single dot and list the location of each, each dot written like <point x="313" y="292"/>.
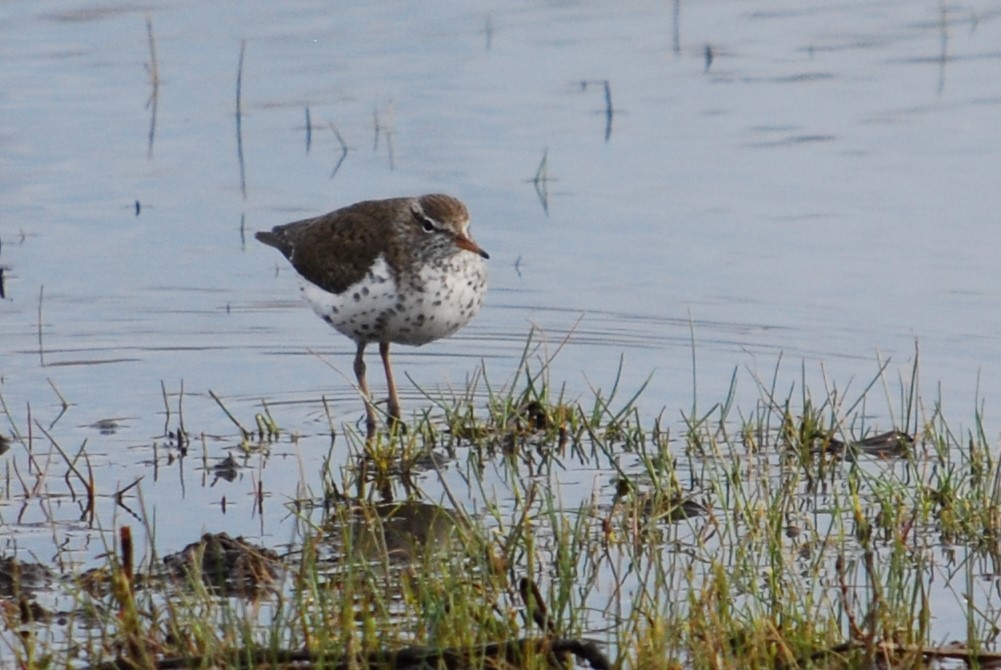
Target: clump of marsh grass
<point x="511" y="525"/>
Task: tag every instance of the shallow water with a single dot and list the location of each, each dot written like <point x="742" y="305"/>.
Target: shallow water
<point x="819" y="198"/>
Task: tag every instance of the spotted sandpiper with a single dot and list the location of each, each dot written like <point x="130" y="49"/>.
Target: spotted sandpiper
<point x="402" y="270"/>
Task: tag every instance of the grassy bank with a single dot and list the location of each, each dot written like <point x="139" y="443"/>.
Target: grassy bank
<point x="530" y="529"/>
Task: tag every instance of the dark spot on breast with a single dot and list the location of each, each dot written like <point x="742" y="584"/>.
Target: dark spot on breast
<point x="356" y="296"/>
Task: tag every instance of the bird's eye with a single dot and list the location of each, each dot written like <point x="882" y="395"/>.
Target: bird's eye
<point x="428" y="225"/>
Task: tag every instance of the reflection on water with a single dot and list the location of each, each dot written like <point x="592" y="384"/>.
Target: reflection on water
<point x="406" y="531"/>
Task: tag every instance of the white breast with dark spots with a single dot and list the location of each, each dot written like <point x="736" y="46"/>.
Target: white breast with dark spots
<point x="433" y="303"/>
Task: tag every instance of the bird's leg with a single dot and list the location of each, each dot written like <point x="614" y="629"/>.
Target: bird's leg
<point x="394" y="399"/>
<point x="370" y="421"/>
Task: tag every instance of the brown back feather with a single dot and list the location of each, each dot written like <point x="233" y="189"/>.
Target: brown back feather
<point x="335" y="250"/>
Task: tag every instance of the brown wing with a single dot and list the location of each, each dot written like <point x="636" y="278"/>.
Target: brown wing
<point x="335" y="250"/>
